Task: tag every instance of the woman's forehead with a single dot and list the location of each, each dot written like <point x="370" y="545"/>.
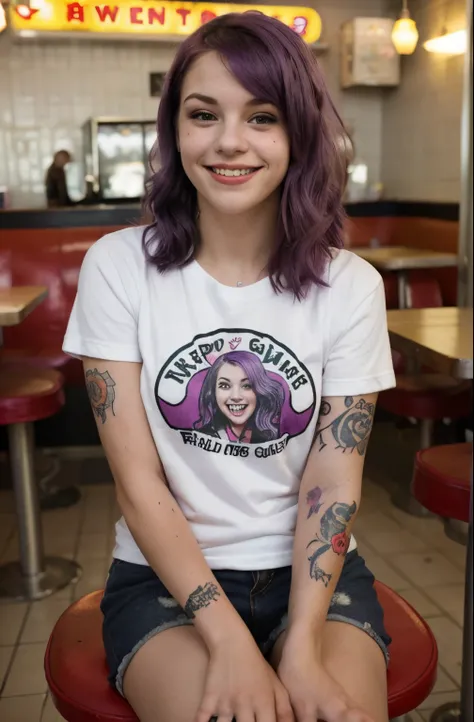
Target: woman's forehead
<point x="228" y="369"/>
<point x="209" y="76"/>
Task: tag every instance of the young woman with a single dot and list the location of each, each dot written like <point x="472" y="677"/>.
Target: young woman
<point x="236" y="589"/>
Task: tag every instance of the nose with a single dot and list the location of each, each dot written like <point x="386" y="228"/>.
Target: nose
<point x="236" y="393"/>
<point x="231" y="138"/>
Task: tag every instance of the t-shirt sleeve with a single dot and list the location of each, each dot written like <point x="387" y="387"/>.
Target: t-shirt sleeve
<point x="104" y="318"/>
<point x="359" y="359"/>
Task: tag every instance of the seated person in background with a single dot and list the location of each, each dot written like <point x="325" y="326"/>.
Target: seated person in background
<point x="55" y="181"/>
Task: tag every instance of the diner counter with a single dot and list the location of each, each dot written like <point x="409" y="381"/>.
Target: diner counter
<point x="82" y="216"/>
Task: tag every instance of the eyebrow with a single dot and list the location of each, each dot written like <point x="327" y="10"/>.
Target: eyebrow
<point x="212" y="101"/>
<point x="224" y="378"/>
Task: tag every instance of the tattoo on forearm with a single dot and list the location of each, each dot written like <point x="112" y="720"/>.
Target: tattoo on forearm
<point x="313" y="499"/>
<point x="332" y="535"/>
<point x="201" y="597"/>
<point x="351" y="429"/>
<point x="101" y="392"/>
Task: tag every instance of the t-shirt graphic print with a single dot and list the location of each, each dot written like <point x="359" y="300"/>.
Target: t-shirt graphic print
<point x="236" y="392"/>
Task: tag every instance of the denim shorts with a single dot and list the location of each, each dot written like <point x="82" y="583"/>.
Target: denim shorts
<point x="136" y="606"/>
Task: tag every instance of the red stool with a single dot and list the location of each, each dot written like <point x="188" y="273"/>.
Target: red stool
<point x="76" y="669"/>
<point x="441" y="480"/>
<point x="47" y="467"/>
<point x="442" y="483"/>
<point x="427" y="397"/>
<point x="28" y="395"/>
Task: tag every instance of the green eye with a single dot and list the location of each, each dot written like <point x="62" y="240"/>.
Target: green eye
<point x="203" y="116"/>
<point x="264" y="119"/>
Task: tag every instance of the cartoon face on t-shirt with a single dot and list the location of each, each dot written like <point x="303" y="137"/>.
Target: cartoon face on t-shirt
<point x="239" y="400"/>
<point x="239" y="387"/>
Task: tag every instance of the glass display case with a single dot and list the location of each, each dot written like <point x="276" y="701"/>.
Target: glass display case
<point x="116" y="157"/>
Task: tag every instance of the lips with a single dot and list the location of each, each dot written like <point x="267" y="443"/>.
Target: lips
<point x="232" y="176"/>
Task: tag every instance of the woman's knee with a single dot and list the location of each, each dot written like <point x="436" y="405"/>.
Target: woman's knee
<point x="165" y="680"/>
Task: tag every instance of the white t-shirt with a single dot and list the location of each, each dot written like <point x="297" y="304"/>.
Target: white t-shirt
<point x="232" y="380"/>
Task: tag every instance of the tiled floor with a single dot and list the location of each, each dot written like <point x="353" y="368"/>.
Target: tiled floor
<point x="411" y="555"/>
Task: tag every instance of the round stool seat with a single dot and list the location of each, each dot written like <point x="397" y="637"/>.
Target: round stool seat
<point x="427" y="396"/>
<point x="29" y="394"/>
<point x="45" y="358"/>
<point x="76" y="669"/>
<point x="442" y="480"/>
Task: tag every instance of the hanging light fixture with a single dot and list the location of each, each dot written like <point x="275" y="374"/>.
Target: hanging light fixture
<point x="3" y="18"/>
<point x="405" y="33"/>
<point x="448" y="43"/>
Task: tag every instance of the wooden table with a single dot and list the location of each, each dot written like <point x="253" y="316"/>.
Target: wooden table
<point x="440" y="338"/>
<point x="401" y="259"/>
<point x="18" y="302"/>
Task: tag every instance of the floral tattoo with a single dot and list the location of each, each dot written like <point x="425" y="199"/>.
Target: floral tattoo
<point x="351" y="429"/>
<point x="332" y="535"/>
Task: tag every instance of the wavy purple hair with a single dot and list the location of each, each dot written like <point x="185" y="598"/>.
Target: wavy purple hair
<point x="274" y="64"/>
<point x="269" y="395"/>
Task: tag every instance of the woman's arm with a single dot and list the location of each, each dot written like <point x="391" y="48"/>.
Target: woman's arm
<point x="152" y="514"/>
<point x="328" y="504"/>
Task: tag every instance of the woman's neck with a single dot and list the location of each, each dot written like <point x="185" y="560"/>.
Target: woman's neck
<point x="236" y="249"/>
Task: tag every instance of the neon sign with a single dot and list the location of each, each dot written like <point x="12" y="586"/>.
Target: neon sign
<point x="144" y="18"/>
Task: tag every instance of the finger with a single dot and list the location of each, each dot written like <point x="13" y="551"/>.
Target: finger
<point x="265" y="710"/>
<point x="244" y="714"/>
<point x="284" y="710"/>
<point x="355" y="714"/>
<point x="207" y="710"/>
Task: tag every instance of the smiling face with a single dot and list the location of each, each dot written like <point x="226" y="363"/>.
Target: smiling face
<point x="234" y="394"/>
<point x="234" y="147"/>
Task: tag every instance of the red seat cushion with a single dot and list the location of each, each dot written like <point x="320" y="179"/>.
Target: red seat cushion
<point x="427" y="396"/>
<point x="29" y="394"/>
<point x="76" y="669"/>
<point x="46" y="358"/>
<point x="442" y="480"/>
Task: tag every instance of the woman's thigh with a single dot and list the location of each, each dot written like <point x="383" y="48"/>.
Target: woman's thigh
<point x="343" y="648"/>
<point x="165" y="680"/>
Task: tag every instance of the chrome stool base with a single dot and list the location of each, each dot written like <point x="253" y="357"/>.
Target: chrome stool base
<point x="58" y="573"/>
<point x="457" y="531"/>
<point x="450" y="712"/>
<point x="403" y="499"/>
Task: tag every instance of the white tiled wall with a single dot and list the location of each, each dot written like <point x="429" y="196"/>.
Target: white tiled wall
<point x="421" y="118"/>
<point x="49" y="88"/>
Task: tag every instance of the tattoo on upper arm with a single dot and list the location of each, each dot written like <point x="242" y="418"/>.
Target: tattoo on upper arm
<point x="351" y="429"/>
<point x="201" y="597"/>
<point x="101" y="392"/>
<point x="332" y="535"/>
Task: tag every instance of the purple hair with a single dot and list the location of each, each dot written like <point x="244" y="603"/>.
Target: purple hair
<point x="269" y="395"/>
<point x="274" y="64"/>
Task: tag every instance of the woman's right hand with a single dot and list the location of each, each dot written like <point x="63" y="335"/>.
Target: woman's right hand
<point x="241" y="684"/>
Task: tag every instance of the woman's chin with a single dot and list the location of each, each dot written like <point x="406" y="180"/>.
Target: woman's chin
<point x="234" y="203"/>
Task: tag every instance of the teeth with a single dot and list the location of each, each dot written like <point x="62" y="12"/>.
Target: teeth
<point x="231" y="173"/>
<point x="235" y="408"/>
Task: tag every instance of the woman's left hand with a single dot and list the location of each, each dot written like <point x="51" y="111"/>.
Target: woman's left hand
<point x="314" y="693"/>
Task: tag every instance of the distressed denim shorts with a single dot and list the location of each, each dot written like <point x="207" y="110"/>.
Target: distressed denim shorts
<point x="136" y="606"/>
